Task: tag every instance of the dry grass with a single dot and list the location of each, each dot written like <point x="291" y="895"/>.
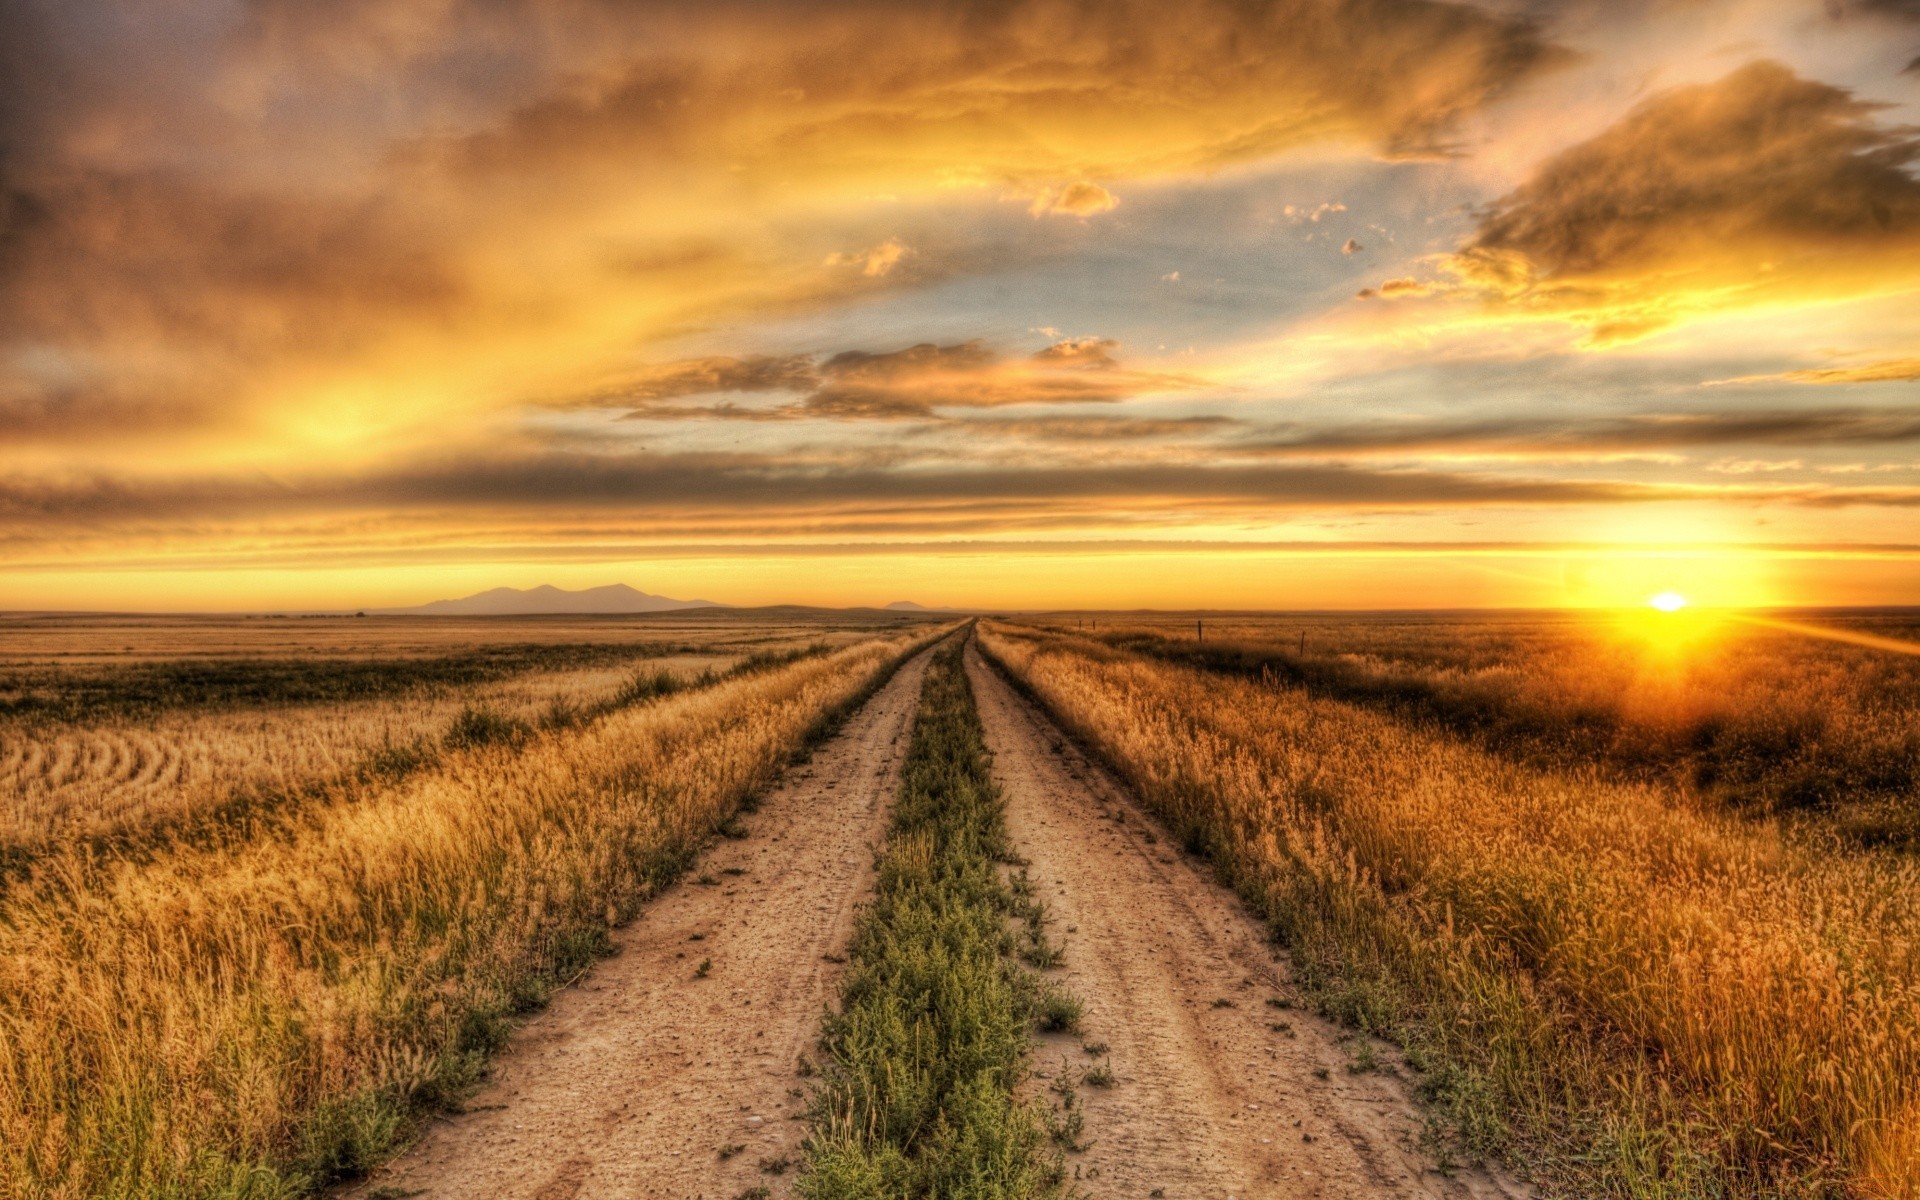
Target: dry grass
<point x="95" y="778"/>
<point x="1635" y="996"/>
<point x="1737" y="714"/>
<point x="243" y="1018"/>
<point x="110" y="724"/>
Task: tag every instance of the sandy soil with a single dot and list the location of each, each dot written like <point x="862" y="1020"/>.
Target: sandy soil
<point x="1211" y="1101"/>
<point x="630" y="1084"/>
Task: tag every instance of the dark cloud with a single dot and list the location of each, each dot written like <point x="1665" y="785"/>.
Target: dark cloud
<point x="662" y="488"/>
<point x="1705" y="197"/>
<point x="1762" y="156"/>
<point x="1643" y="432"/>
<point x="891" y="385"/>
<point x="860" y="367"/>
<point x="574" y="498"/>
<point x="1096" y="429"/>
<point x="713" y="375"/>
<point x="136" y="258"/>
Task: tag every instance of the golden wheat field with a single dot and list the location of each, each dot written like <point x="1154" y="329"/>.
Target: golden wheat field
<point x="1621" y="906"/>
<point x="201" y="996"/>
<point x="1499" y="842"/>
<point x="107" y="722"/>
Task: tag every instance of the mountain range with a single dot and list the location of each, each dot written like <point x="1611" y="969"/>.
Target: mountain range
<point x="506" y="601"/>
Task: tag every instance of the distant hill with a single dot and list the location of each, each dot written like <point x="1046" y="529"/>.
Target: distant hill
<point x="503" y="602"/>
<point x="907" y="606"/>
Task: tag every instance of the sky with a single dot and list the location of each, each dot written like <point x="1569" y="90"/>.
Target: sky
<point x="1007" y="303"/>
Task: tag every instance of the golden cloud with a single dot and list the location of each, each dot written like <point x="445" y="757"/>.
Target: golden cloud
<point x="1899" y="370"/>
<point x="1757" y="188"/>
<point x="279" y="222"/>
<point x="1074" y="200"/>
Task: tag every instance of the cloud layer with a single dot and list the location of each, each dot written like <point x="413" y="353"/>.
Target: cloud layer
<point x="888" y="385"/>
<point x="386" y="272"/>
<point x="1759" y="185"/>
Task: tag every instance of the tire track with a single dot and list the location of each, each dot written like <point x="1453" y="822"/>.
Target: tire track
<point x="630" y="1084"/>
<point x="1218" y="1093"/>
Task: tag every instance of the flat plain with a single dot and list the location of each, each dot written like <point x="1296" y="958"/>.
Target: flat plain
<point x="738" y="904"/>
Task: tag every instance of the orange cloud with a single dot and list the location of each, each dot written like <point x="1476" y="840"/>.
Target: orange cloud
<point x="1074" y="200"/>
<point x="286" y="229"/>
<point x="1759" y="187"/>
<point x="1402" y="287"/>
<point x="1900" y="370"/>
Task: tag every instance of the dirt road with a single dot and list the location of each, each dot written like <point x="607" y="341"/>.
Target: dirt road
<point x="632" y="1084"/>
<point x="1211" y="1100"/>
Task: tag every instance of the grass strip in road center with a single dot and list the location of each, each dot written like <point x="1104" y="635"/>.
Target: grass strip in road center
<point x="922" y="1097"/>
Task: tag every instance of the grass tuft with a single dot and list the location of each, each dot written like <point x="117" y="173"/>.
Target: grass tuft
<point x="929" y="1046"/>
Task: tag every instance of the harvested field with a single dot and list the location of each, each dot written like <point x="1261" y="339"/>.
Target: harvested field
<point x="305" y="979"/>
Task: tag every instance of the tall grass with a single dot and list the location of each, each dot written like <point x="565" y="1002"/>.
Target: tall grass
<point x="1632" y="997"/>
<point x="930" y="1042"/>
<point x="248" y="1019"/>
<point x="1741" y="715"/>
<point x="103" y="738"/>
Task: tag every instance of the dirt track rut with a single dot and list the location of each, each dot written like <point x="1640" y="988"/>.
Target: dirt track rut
<point x="1211" y="1101"/>
<point x="629" y="1084"/>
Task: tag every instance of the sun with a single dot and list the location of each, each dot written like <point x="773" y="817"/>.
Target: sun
<point x="1668" y="602"/>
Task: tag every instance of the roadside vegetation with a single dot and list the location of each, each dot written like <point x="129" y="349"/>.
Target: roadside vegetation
<point x="1625" y="991"/>
<point x="250" y="1015"/>
<point x="923" y="1093"/>
<point x="1740" y="716"/>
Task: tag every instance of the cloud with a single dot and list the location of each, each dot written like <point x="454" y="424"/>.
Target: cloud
<point x="1096" y="429"/>
<point x="772" y="492"/>
<point x="1560" y="438"/>
<point x="1899" y="370"/>
<point x="416" y="209"/>
<point x="890" y="385"/>
<point x="1758" y="187"/>
<point x="1074" y="200"/>
<point x="1351" y="246"/>
<point x="876" y="261"/>
<point x="711" y="375"/>
<point x="582" y="502"/>
<point x="1313" y="215"/>
<point x="1399" y="288"/>
<point x="1897" y="10"/>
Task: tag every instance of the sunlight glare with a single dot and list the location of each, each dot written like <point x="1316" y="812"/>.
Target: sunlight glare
<point x="1668" y="602"/>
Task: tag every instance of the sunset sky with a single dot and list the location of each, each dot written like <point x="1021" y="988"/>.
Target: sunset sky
<point x="1306" y="303"/>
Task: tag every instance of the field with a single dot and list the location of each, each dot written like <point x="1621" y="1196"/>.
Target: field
<point x="287" y="888"/>
<point x="1608" y="886"/>
<point x="1433" y="905"/>
<point x="1729" y="712"/>
<point x="107" y="724"/>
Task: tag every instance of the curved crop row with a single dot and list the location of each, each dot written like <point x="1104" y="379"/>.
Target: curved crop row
<point x="245" y="1020"/>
